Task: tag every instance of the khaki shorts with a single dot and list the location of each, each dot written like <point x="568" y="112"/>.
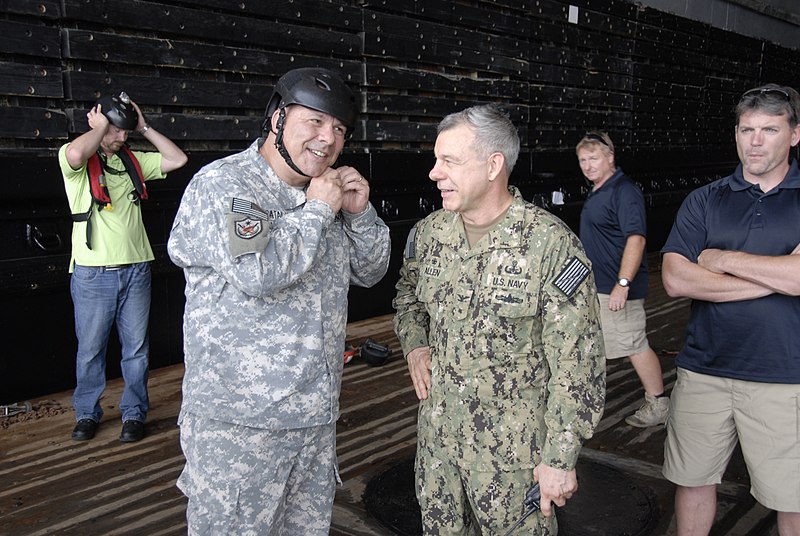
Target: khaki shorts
<point x="624" y="331"/>
<point x="707" y="416"/>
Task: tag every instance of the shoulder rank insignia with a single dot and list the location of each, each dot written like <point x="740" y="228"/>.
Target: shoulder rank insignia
<point x="571" y="276"/>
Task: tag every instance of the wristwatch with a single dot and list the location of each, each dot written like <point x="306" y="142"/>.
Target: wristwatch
<point x="624" y="282"/>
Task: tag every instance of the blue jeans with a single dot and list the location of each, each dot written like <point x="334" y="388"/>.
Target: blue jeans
<point x="102" y="297"/>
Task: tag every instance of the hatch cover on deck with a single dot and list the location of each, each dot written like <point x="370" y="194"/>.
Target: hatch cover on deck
<point x="608" y="502"/>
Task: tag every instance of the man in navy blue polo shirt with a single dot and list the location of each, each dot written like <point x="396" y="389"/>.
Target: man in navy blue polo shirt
<point x="734" y="249"/>
<point x="613" y="231"/>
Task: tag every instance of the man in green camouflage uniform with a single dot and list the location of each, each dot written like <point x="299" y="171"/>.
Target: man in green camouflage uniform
<point x="498" y="317"/>
<point x="270" y="240"/>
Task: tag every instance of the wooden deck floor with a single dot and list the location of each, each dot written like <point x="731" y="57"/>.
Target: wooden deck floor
<point x="50" y="484"/>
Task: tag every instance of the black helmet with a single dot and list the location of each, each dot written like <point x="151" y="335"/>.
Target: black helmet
<point x="374" y="353"/>
<point x="119" y="111"/>
<point x="315" y="88"/>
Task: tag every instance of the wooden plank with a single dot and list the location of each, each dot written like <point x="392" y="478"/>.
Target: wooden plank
<point x="648" y="16"/>
<point x="575" y="96"/>
<point x="329" y="13"/>
<point x="30" y="80"/>
<point x="414" y="177"/>
<point x="674" y="56"/>
<point x="553" y="10"/>
<point x="43" y="9"/>
<point x="162" y="90"/>
<point x="781" y="65"/>
<point x="400" y="78"/>
<point x="734" y="45"/>
<point x="202" y="89"/>
<point x="594" y="15"/>
<point x="446" y="52"/>
<point x="666" y="88"/>
<point x="599" y="41"/>
<point x="29" y="122"/>
<point x="671" y="105"/>
<point x="591" y="60"/>
<point x="616" y="8"/>
<point x="689" y="77"/>
<point x="641" y="120"/>
<point x="579" y="118"/>
<point x="486" y="16"/>
<point x="108" y="48"/>
<point x="672" y="38"/>
<point x="385" y="130"/>
<point x="436" y="108"/>
<point x="416" y="40"/>
<point x="29" y="39"/>
<point x="246" y="29"/>
<point x="554" y="74"/>
<point x="733" y="68"/>
<point x="179" y="127"/>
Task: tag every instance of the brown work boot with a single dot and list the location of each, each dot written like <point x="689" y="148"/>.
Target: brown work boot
<point x="653" y="412"/>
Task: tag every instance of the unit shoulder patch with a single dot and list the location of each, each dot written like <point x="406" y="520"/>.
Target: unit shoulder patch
<point x="249" y="226"/>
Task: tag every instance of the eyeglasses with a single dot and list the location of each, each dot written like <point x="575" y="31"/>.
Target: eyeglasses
<point x="766" y="91"/>
<point x="595" y="137"/>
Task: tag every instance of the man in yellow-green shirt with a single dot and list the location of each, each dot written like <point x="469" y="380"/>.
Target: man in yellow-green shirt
<point x="111" y="253"/>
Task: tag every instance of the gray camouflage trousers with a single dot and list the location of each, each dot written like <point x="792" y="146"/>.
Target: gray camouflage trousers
<point x="251" y="482"/>
<point x="459" y="502"/>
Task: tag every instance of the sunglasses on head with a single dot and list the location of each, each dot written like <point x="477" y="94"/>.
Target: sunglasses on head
<point x="595" y="137"/>
<point x="766" y="91"/>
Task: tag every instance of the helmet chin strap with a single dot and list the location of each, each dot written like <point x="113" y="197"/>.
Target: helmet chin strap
<point x="281" y="147"/>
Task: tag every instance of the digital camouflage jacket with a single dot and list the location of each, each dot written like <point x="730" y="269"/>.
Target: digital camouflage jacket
<point x="513" y="327"/>
<point x="267" y="276"/>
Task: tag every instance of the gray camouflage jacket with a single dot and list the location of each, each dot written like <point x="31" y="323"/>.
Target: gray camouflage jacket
<point x="267" y="276"/>
<point x="513" y="325"/>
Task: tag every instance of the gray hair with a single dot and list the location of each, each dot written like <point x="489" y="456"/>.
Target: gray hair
<point x="771" y="99"/>
<point x="494" y="131"/>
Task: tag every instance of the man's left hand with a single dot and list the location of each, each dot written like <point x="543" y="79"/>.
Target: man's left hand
<point x="711" y="259"/>
<point x="555" y="486"/>
<point x="355" y="190"/>
<point x="141" y="123"/>
<point x="618" y="298"/>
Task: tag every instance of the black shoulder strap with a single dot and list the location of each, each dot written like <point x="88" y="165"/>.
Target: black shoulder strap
<point x="134" y="171"/>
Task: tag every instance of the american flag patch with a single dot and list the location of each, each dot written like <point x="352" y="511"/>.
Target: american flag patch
<point x="241" y="206"/>
<point x="571" y="276"/>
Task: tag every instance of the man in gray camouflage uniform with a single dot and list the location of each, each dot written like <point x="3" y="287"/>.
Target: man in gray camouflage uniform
<point x="499" y="320"/>
<point x="270" y="240"/>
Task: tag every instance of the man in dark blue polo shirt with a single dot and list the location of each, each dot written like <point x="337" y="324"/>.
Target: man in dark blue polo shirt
<point x="734" y="249"/>
<point x="613" y="232"/>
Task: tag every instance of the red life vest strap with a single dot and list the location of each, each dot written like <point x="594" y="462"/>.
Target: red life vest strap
<point x="99" y="189"/>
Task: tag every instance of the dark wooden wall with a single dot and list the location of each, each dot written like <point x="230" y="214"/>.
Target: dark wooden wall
<point x="202" y="71"/>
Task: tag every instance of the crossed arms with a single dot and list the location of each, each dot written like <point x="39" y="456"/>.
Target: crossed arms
<point x="723" y="276"/>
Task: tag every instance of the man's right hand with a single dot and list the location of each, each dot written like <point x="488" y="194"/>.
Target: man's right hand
<point x="327" y="188"/>
<point x="97" y="119"/>
<point x="419" y="365"/>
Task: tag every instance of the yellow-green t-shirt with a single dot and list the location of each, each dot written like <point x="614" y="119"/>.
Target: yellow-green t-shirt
<point x="118" y="235"/>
